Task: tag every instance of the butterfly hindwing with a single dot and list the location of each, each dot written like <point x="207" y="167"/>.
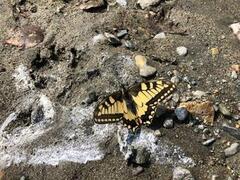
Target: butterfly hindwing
<point x="110" y="110"/>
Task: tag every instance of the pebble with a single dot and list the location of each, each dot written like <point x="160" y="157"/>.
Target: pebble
<point x="92" y="97"/>
<point x="2" y="69"/>
<point x="199" y="94"/>
<point x="175" y="79"/>
<point x="209" y="142"/>
<point x="92" y="4"/>
<point x="201" y="127"/>
<point x="147" y="3"/>
<point x="22" y="178"/>
<point x="136" y="171"/>
<point x="142" y="156"/>
<point x="128" y="44"/>
<point x="176" y="97"/>
<point x="160" y="35"/>
<point x="236" y="117"/>
<point x="215" y="177"/>
<point x="100" y="38"/>
<point x="122" y="33"/>
<point x="158" y="133"/>
<point x="204" y="137"/>
<point x="180" y="173"/>
<point x="224" y="110"/>
<point x="113" y="40"/>
<point x="147" y="71"/>
<point x="92" y="73"/>
<point x="181" y="113"/>
<point x="37" y="114"/>
<point x="234" y="75"/>
<point x="214" y="52"/>
<point x="231" y="130"/>
<point x="122" y="2"/>
<point x="238" y="107"/>
<point x="235" y="67"/>
<point x="233" y="149"/>
<point x="236" y="29"/>
<point x="168" y="123"/>
<point x="182" y="51"/>
<point x="140" y="61"/>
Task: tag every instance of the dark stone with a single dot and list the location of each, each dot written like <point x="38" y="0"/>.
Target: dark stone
<point x="142" y="156"/>
<point x="41" y="83"/>
<point x="92" y="97"/>
<point x="37" y="115"/>
<point x="160" y="111"/>
<point x="93" y="73"/>
<point x="181" y="113"/>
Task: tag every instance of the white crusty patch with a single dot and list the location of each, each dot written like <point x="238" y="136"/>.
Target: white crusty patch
<point x="22" y="78"/>
<point x="75" y="145"/>
<point x="162" y="152"/>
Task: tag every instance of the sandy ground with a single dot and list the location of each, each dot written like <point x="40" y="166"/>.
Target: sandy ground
<point x="55" y="77"/>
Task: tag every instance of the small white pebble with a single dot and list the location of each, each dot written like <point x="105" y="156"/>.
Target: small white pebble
<point x="234" y="75"/>
<point x="182" y="51"/>
<point x="160" y="35"/>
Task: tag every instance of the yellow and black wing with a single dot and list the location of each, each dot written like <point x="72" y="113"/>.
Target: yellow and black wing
<point x="110" y="110"/>
<point x="148" y="95"/>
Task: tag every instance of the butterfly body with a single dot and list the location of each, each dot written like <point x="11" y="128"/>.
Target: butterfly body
<point x="134" y="106"/>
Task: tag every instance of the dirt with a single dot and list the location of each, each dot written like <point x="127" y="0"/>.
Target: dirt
<point x="66" y="67"/>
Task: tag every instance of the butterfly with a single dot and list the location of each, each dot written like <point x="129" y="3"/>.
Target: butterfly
<point x="134" y="106"/>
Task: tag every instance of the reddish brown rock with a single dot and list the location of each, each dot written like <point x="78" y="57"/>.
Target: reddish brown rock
<point x="203" y="109"/>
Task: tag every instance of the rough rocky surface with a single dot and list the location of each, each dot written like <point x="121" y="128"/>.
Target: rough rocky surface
<point x="50" y="87"/>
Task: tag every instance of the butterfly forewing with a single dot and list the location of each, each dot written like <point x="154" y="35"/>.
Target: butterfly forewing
<point x="110" y="110"/>
<point x="148" y="95"/>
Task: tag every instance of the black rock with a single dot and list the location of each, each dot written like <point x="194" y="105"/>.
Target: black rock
<point x="181" y="113"/>
<point x="161" y="110"/>
<point x="93" y="73"/>
<point x="92" y="97"/>
<point x="37" y="115"/>
<point x="142" y="156"/>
